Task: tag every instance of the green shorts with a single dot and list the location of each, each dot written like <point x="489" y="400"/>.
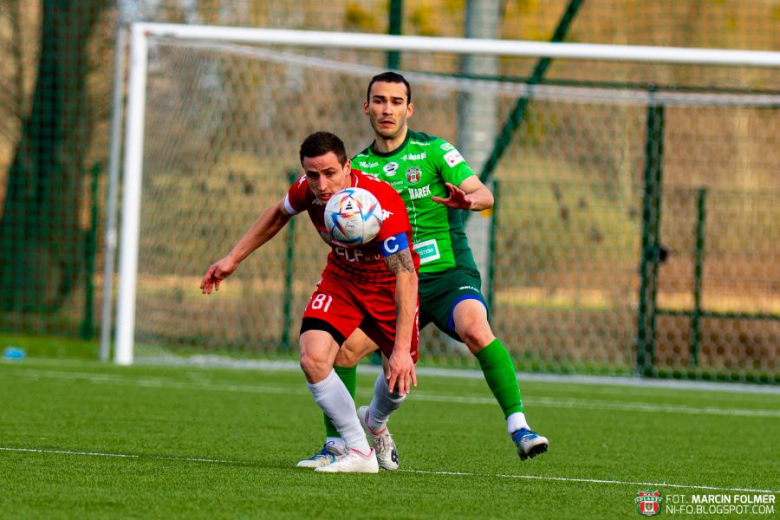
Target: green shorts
<point x="441" y="292"/>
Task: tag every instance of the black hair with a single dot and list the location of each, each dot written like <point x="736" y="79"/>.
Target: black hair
<point x="390" y="77"/>
<point x="320" y="143"/>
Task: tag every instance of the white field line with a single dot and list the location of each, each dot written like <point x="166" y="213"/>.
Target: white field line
<point x="420" y="472"/>
<point x="120" y="455"/>
<point x="542" y="402"/>
<point x="215" y="361"/>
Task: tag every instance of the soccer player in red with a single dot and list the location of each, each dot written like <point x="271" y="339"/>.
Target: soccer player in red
<point x="373" y="287"/>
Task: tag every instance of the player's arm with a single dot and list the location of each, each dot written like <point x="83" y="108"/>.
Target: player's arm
<point x="267" y="225"/>
<point x="401" y="374"/>
<point x="470" y="194"/>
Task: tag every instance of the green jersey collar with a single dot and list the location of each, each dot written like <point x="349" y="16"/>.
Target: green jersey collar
<point x="392" y="152"/>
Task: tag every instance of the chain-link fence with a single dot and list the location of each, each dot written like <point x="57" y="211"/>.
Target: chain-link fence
<point x="619" y="246"/>
<point x="602" y="260"/>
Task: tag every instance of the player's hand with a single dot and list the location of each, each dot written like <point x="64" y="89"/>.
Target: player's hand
<point x="458" y="198"/>
<point x="401" y="374"/>
<point x="216" y="273"/>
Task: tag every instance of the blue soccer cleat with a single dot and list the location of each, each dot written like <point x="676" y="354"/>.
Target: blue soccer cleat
<point x="529" y="443"/>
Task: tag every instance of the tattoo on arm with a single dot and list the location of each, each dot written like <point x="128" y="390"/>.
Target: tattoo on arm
<point x="401" y="262"/>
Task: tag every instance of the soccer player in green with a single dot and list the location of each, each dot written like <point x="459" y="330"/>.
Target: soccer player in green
<point x="436" y="183"/>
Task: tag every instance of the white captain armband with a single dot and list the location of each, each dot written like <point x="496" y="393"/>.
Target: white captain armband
<point x="392" y="245"/>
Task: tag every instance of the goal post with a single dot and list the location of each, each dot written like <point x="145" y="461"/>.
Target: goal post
<point x="218" y="112"/>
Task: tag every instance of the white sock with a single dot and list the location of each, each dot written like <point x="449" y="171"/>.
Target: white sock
<point x="334" y="399"/>
<point x="383" y="404"/>
<point x="516" y="421"/>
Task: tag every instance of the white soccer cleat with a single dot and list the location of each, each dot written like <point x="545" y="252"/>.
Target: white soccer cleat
<point x="331" y="452"/>
<point x="353" y="462"/>
<point x="383" y="443"/>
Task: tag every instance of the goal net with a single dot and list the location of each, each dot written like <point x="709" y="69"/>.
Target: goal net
<point x="636" y="222"/>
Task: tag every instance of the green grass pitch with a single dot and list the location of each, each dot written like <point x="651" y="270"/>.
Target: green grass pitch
<point x="80" y="439"/>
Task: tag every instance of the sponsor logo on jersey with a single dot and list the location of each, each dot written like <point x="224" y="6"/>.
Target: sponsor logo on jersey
<point x="386" y="214"/>
<point x="356" y="254"/>
<point x="390" y="168"/>
<point x="420" y="143"/>
<point x="364" y="164"/>
<point x="419" y="193"/>
<point x="453" y="157"/>
<point x="428" y="251"/>
<point x="447" y="146"/>
<point x="414" y="156"/>
<point x="413" y="175"/>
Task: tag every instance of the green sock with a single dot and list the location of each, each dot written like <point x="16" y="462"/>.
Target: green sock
<point x="500" y="376"/>
<point x="348" y="376"/>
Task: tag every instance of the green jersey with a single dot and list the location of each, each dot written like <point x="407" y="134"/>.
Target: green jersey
<point x="418" y="170"/>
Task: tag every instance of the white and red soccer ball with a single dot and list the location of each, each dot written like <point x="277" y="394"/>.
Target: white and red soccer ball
<point x="353" y="217"/>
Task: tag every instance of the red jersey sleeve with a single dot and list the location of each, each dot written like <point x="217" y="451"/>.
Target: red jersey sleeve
<point x="295" y="201"/>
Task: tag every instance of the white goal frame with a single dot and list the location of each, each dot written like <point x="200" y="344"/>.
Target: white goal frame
<point x="136" y="101"/>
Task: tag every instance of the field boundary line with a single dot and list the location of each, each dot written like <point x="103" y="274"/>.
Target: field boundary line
<point x="214" y="361"/>
<point x="45" y="451"/>
<point x="585" y="404"/>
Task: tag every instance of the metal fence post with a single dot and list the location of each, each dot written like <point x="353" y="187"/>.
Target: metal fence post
<point x="701" y="218"/>
<point x="651" y="231"/>
<point x="90" y="248"/>
<point x="395" y="26"/>
<point x="289" y="270"/>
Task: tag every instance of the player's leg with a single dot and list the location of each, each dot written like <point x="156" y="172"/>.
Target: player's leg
<point x="328" y="319"/>
<point x="357" y="346"/>
<point x="374" y="417"/>
<point x="470" y="321"/>
<point x="318" y="351"/>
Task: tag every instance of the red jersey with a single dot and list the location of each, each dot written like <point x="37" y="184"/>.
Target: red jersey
<point x="362" y="263"/>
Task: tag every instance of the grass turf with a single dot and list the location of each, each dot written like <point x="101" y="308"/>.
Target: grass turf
<point x="162" y="442"/>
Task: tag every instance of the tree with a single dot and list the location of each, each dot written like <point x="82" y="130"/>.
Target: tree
<point x="42" y="243"/>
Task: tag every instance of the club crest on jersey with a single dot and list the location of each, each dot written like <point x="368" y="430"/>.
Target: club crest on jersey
<point x="413" y="175"/>
<point x="390" y="168"/>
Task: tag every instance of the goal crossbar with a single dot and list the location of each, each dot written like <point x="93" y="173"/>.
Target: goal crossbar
<point x="381" y="42"/>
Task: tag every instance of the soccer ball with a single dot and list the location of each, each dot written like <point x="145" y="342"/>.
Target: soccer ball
<point x="353" y="217"/>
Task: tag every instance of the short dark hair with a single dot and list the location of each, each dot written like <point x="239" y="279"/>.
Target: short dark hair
<point x="320" y="143"/>
<point x="389" y="77"/>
